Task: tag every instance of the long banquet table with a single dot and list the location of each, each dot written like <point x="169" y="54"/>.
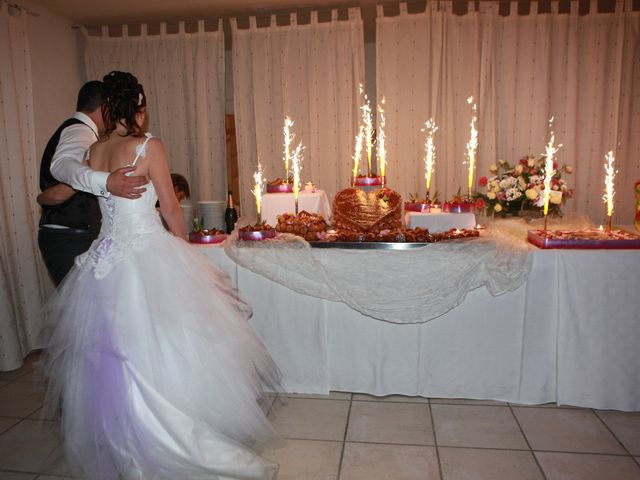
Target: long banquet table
<point x="570" y="334"/>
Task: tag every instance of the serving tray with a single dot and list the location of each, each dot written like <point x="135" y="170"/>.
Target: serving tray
<point x="542" y="240"/>
<point x="370" y="245"/>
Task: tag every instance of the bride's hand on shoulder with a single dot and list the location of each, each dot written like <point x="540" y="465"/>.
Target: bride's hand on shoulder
<point x="161" y="178"/>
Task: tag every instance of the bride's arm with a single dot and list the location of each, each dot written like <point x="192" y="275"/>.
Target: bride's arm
<point x="161" y="178"/>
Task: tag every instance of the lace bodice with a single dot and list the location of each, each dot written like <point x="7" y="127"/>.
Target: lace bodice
<point x="127" y="226"/>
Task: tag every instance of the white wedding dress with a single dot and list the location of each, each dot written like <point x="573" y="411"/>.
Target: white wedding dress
<point x="151" y="357"/>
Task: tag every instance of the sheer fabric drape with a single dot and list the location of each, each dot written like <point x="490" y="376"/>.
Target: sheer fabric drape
<point x="22" y="277"/>
<point x="522" y="70"/>
<point x="309" y="72"/>
<point x="183" y="77"/>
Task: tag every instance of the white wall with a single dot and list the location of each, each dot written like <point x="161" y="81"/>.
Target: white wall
<point x="57" y="70"/>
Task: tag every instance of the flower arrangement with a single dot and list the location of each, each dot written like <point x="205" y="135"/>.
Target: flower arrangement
<point x="514" y="189"/>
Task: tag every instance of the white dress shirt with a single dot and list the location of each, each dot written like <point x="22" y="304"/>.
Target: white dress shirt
<point x="66" y="165"/>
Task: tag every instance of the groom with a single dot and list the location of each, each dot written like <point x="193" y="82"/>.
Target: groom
<point x="70" y="219"/>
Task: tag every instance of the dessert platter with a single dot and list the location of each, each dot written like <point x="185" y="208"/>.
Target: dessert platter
<point x="373" y="220"/>
<point x="257" y="232"/>
<point x="585" y="239"/>
<point x="310" y="226"/>
<point x="400" y="239"/>
<point x="423" y="205"/>
<point x="280" y="186"/>
<point x="204" y="236"/>
<point x="368" y="181"/>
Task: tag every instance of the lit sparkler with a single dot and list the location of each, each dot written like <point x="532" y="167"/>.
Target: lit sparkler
<point x="367" y="122"/>
<point x="380" y="144"/>
<point x="472" y="145"/>
<point x="429" y="153"/>
<point x="257" y="190"/>
<point x="296" y="160"/>
<point x="609" y="192"/>
<point x="549" y="172"/>
<point x="357" y="154"/>
<point x="288" y="140"/>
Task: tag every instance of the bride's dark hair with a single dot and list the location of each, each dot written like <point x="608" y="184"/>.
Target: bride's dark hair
<point x="124" y="98"/>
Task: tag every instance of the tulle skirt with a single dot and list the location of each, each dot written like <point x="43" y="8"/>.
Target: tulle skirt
<point x="157" y="372"/>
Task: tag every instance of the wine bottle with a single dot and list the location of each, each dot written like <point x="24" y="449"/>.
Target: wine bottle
<point x="230" y="214"/>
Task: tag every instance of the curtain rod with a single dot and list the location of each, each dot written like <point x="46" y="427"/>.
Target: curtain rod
<point x="23" y="8"/>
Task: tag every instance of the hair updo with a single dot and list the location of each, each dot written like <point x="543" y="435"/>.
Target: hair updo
<point x="123" y="98"/>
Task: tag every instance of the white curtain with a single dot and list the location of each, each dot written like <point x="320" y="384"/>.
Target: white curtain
<point x="310" y="73"/>
<point x="522" y="69"/>
<point x="22" y="280"/>
<point x="183" y="77"/>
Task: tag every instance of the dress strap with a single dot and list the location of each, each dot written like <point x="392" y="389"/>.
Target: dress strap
<point x="141" y="150"/>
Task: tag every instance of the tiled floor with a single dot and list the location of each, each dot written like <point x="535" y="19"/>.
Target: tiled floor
<point x="358" y="437"/>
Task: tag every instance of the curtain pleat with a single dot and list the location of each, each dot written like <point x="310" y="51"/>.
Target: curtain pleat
<point x="522" y="70"/>
<point x="183" y="76"/>
<point x="310" y="73"/>
<point x="22" y="277"/>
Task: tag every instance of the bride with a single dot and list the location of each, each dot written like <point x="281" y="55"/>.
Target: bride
<point x="151" y="357"/>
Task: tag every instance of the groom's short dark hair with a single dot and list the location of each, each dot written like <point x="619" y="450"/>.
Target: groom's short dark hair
<point x="90" y="97"/>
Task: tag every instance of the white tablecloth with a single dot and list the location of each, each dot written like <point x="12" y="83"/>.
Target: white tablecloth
<point x="440" y="222"/>
<point x="569" y="335"/>
<point x="274" y="204"/>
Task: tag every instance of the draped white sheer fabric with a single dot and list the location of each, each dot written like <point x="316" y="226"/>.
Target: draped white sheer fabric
<point x="183" y="77"/>
<point x="521" y="69"/>
<point x="310" y="73"/>
<point x="22" y="280"/>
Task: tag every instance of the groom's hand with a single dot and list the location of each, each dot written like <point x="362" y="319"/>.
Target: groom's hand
<point x="122" y="185"/>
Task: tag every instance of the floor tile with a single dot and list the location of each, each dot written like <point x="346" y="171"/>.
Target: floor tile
<point x="625" y="426"/>
<point x="4" y="475"/>
<point x="307" y="459"/>
<point x="545" y="405"/>
<point x="52" y="477"/>
<point x="306" y="418"/>
<point x="331" y="396"/>
<point x="580" y="466"/>
<point x="27" y="377"/>
<point x="566" y="430"/>
<point x="361" y="397"/>
<point x="20" y="399"/>
<point x="14" y="374"/>
<point x="27" y="446"/>
<point x="487" y="464"/>
<point x="389" y="422"/>
<point x="465" y="401"/>
<point x="384" y="462"/>
<point x="6" y="423"/>
<point x="476" y="426"/>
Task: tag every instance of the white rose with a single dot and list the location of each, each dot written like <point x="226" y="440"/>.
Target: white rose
<point x="491" y="195"/>
<point x="519" y="168"/>
<point x="502" y="162"/>
<point x="531" y="194"/>
<point x="568" y="169"/>
<point x="493" y="168"/>
<point x="531" y="161"/>
<point x="522" y="185"/>
<point x="555" y="197"/>
<point x="497" y="208"/>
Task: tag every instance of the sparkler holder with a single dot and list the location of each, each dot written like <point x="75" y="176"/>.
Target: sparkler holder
<point x="296" y="205"/>
<point x="609" y="224"/>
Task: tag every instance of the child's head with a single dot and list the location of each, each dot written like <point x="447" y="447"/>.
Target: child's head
<point x="180" y="186"/>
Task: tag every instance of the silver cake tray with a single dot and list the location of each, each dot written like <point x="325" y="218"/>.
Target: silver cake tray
<point x="371" y="245"/>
